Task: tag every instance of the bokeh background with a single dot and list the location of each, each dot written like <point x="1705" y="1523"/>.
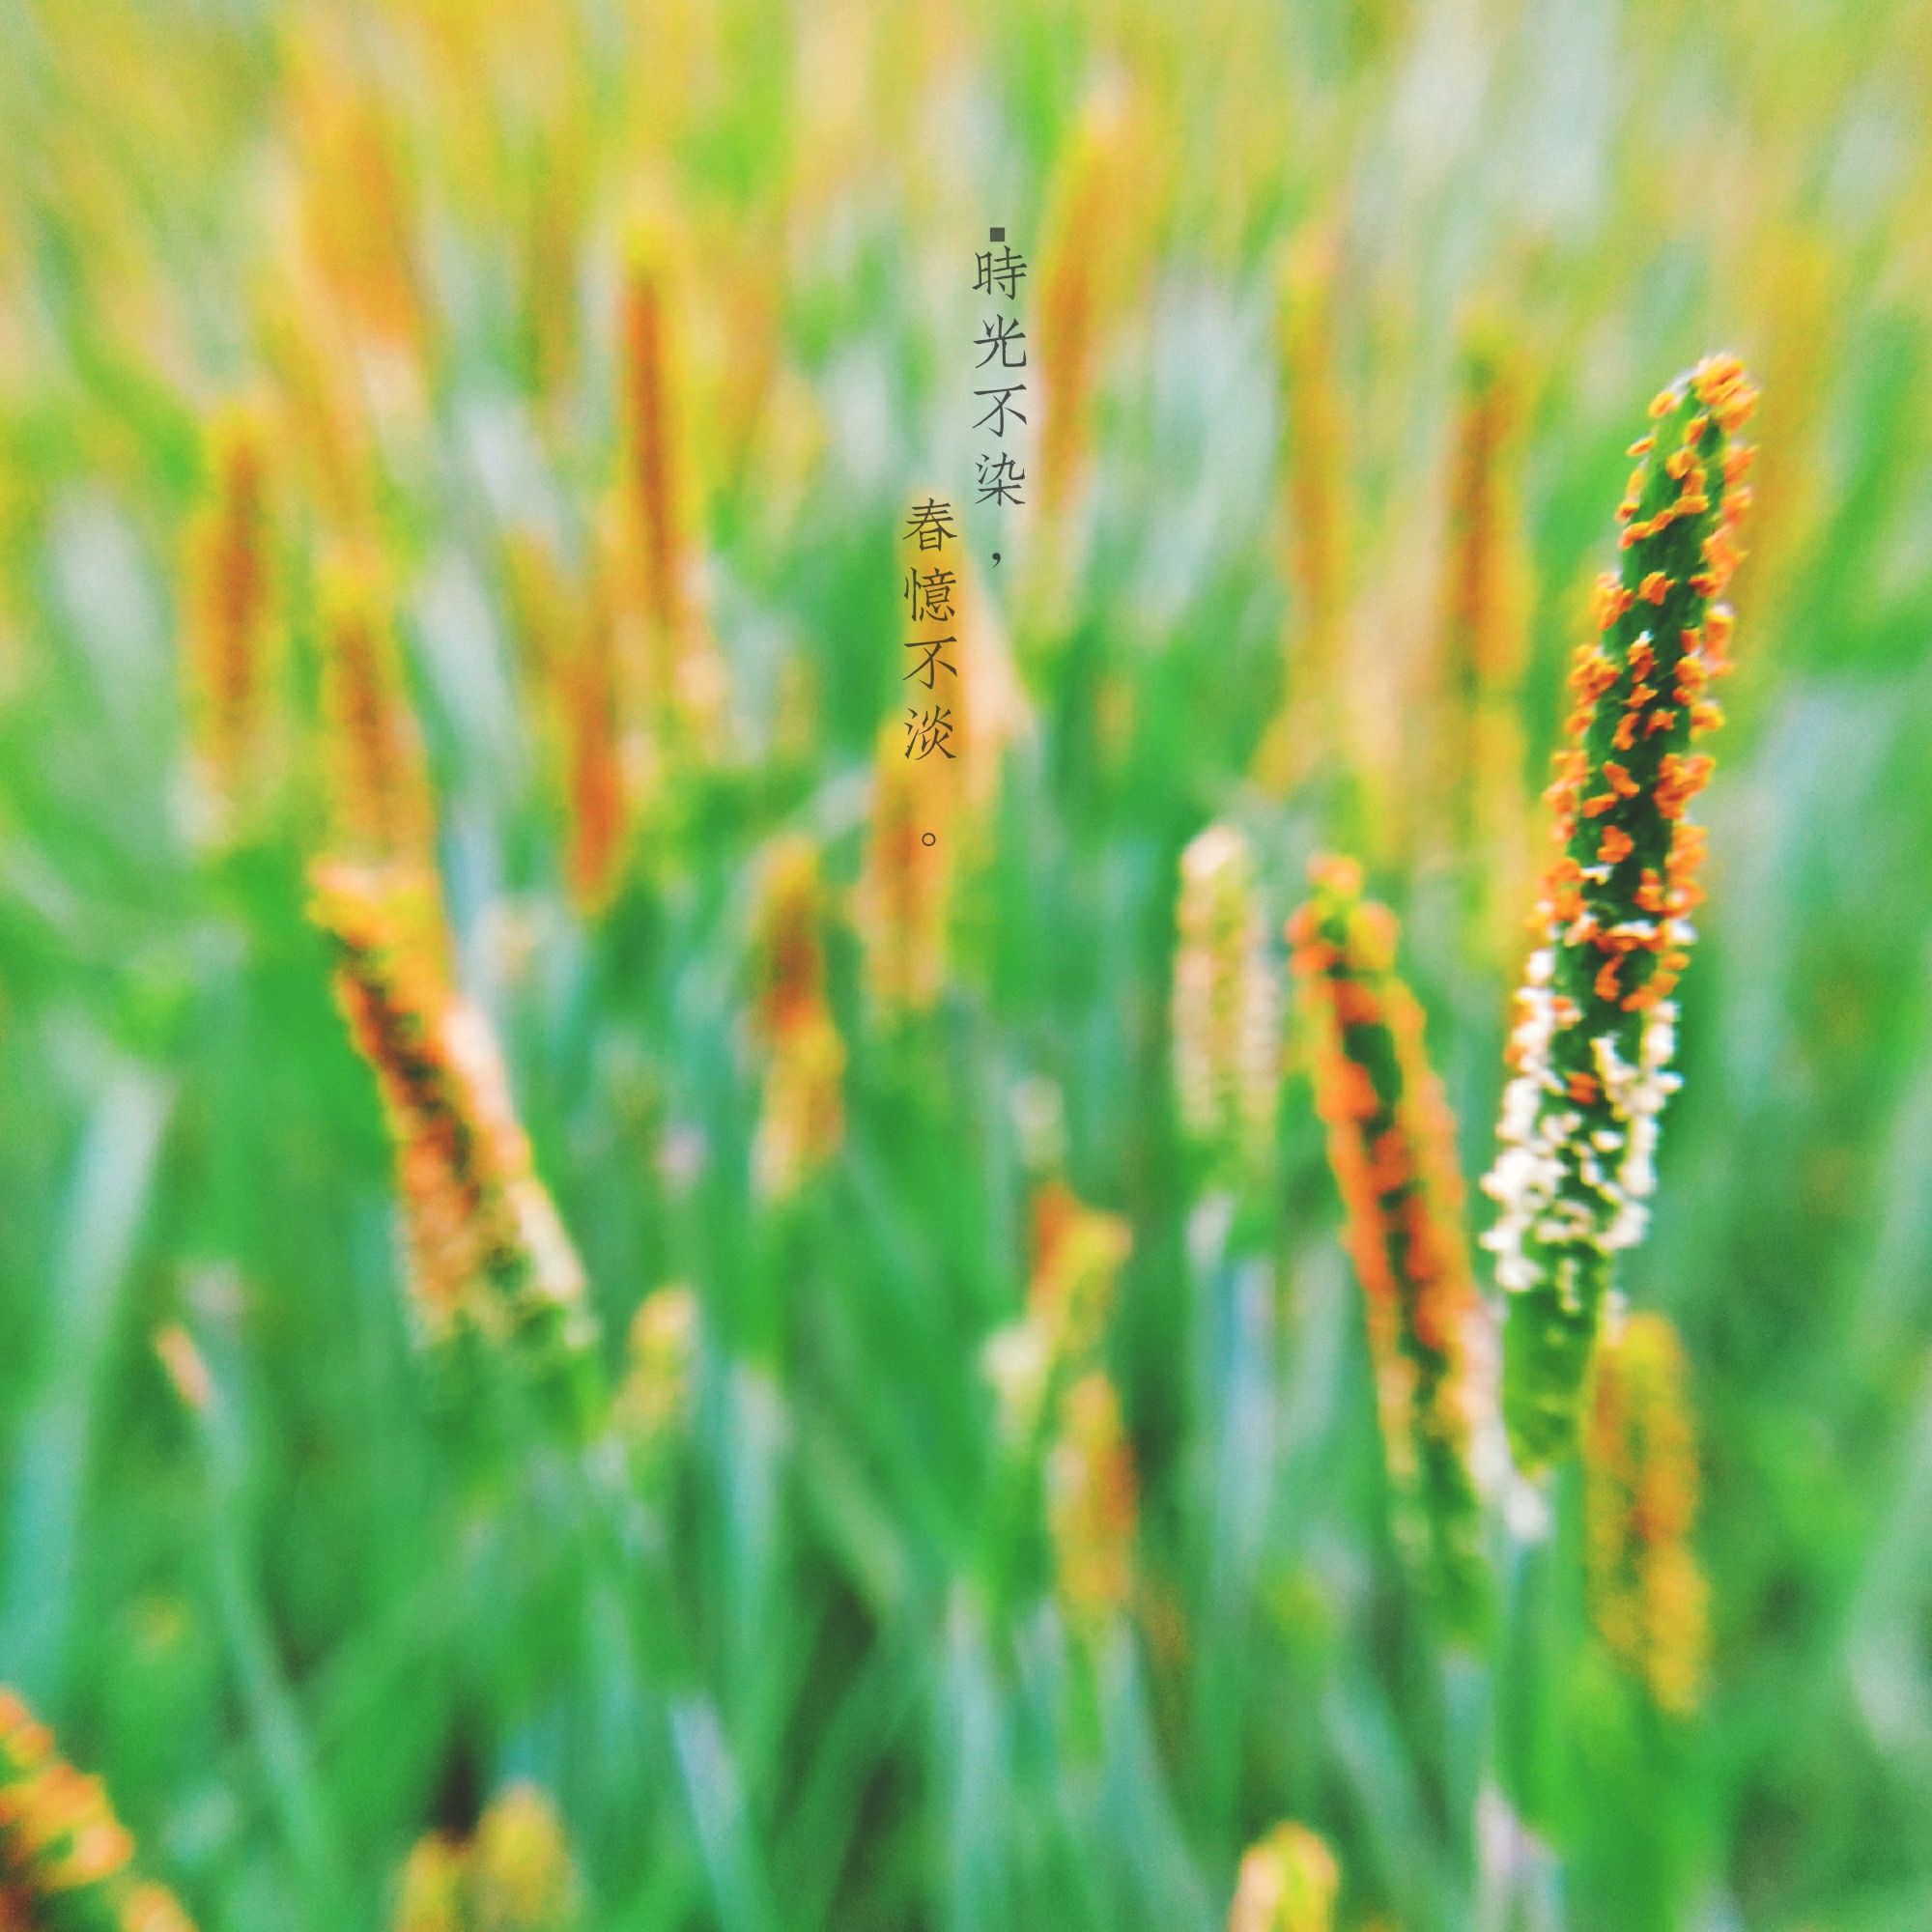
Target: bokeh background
<point x="801" y="1656"/>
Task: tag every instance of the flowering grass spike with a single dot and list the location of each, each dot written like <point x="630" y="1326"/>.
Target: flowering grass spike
<point x="230" y="610"/>
<point x="1227" y="1041"/>
<point x="1077" y="1255"/>
<point x="380" y="802"/>
<point x="66" y="1863"/>
<point x="1647" y="1595"/>
<point x="653" y="1403"/>
<point x="1092" y="1505"/>
<point x="487" y="1250"/>
<point x="1479" y="790"/>
<point x="592" y="721"/>
<point x="681" y="681"/>
<point x="1596" y="1025"/>
<point x="1315" y="454"/>
<point x="1392" y="1145"/>
<point x="803" y="1116"/>
<point x="1288" y="1882"/>
<point x="514" y="1875"/>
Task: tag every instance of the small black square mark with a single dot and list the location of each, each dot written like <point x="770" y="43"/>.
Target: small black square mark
<point x="996" y="234"/>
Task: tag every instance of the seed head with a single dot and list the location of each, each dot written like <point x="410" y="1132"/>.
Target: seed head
<point x="230" y="614"/>
<point x="654" y="1398"/>
<point x="804" y="1116"/>
<point x="1647" y="1594"/>
<point x="521" y="1877"/>
<point x="591" y="716"/>
<point x="513" y="1875"/>
<point x="1596" y="1026"/>
<point x="1391" y="1143"/>
<point x="380" y="808"/>
<point x="1091" y="1506"/>
<point x="1477" y="736"/>
<point x="64" y="1858"/>
<point x="487" y="1249"/>
<point x="1078" y="1252"/>
<point x="1288" y="1882"/>
<point x="1225" y="1019"/>
<point x="682" y="678"/>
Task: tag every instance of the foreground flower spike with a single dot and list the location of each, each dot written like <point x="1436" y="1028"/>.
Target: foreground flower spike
<point x="804" y="1116"/>
<point x="1091" y="1506"/>
<point x="1391" y="1144"/>
<point x="487" y="1251"/>
<point x="1288" y="1882"/>
<point x="514" y="1875"/>
<point x="65" y="1861"/>
<point x="230" y="614"/>
<point x="1647" y="1595"/>
<point x="1596" y="1026"/>
<point x="1225" y="1023"/>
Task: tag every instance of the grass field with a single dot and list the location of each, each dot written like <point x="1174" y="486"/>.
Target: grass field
<point x="594" y="1335"/>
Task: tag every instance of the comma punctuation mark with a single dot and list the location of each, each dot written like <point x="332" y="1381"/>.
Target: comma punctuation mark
<point x="996" y="557"/>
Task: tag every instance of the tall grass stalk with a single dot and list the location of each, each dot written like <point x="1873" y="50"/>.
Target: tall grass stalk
<point x="1597" y="1028"/>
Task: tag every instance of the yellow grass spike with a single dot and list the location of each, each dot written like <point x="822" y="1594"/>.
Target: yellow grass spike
<point x="514" y="1874"/>
<point x="1314" y="464"/>
<point x="1391" y="1143"/>
<point x="1483" y="637"/>
<point x="1226" y="1013"/>
<point x="232" y="626"/>
<point x="1648" y="1598"/>
<point x="487" y="1251"/>
<point x="380" y="803"/>
<point x="654" y="1397"/>
<point x="65" y="1857"/>
<point x="803" y="1118"/>
<point x="1091" y="1506"/>
<point x="1288" y="1882"/>
<point x="591" y="715"/>
<point x="355" y="201"/>
<point x="680" y="675"/>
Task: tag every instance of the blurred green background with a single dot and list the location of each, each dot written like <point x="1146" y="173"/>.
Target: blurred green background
<point x="303" y="1617"/>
